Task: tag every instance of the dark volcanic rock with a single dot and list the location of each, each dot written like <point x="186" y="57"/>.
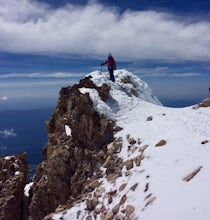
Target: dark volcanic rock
<point x="13" y="178"/>
<point x="70" y="160"/>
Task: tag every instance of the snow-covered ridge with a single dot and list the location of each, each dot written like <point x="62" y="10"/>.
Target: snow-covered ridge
<point x="125" y="91"/>
<point x="165" y="155"/>
<point x="126" y="82"/>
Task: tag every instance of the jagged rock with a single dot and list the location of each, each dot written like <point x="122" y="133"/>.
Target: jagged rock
<point x="191" y="175"/>
<point x="122" y="187"/>
<point x="13" y="178"/>
<point x="133" y="188"/>
<point x="123" y="199"/>
<point x="70" y="160"/>
<point x="142" y="149"/>
<point x="116" y="209"/>
<point x="118" y="217"/>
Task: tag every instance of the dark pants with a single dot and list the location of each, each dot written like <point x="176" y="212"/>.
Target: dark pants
<point x="111" y="73"/>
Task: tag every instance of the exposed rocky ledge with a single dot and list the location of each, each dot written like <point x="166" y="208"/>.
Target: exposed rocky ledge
<point x="205" y="103"/>
<point x="13" y="178"/>
<point x="70" y="159"/>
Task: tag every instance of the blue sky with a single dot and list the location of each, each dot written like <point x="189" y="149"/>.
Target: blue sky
<point x="47" y="44"/>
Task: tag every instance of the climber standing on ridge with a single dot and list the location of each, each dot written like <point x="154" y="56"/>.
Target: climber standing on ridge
<point x="111" y="66"/>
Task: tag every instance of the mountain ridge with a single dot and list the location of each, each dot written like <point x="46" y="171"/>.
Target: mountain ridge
<point x="160" y="148"/>
<point x="115" y="152"/>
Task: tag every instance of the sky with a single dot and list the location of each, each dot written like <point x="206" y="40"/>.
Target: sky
<point x="48" y="44"/>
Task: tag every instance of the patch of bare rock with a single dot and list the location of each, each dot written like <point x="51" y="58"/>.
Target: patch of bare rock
<point x="13" y="178"/>
<point x="205" y="103"/>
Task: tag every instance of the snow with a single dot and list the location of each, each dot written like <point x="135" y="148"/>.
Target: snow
<point x="17" y="173"/>
<point x="7" y="158"/>
<point x="68" y="130"/>
<point x="161" y="192"/>
<point x="27" y="188"/>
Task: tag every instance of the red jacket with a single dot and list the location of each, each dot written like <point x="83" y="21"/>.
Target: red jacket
<point x="110" y="63"/>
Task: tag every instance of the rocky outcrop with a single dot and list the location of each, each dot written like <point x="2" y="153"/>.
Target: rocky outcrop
<point x="13" y="178"/>
<point x="71" y="158"/>
<point x="205" y="103"/>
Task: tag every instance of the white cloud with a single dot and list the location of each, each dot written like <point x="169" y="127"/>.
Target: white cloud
<point x="42" y="75"/>
<point x="164" y="74"/>
<point x="4" y="98"/>
<point x="7" y="133"/>
<point x="95" y="29"/>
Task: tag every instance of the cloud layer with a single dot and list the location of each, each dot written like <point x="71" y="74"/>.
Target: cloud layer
<point x="94" y="29"/>
<point x="7" y="133"/>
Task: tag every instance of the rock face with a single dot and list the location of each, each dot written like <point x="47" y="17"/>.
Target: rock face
<point x="13" y="178"/>
<point x="70" y="158"/>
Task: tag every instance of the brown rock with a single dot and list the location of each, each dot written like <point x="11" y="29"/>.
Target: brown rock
<point x="132" y="141"/>
<point x="128" y="173"/>
<point x="138" y="160"/>
<point x="117" y="128"/>
<point x="205" y="103"/>
<point x="109" y="215"/>
<point x="149" y="118"/>
<point x="129" y="164"/>
<point x="161" y="143"/>
<point x="103" y="91"/>
<point x="129" y="210"/>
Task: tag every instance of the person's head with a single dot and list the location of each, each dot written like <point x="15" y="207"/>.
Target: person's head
<point x="109" y="54"/>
